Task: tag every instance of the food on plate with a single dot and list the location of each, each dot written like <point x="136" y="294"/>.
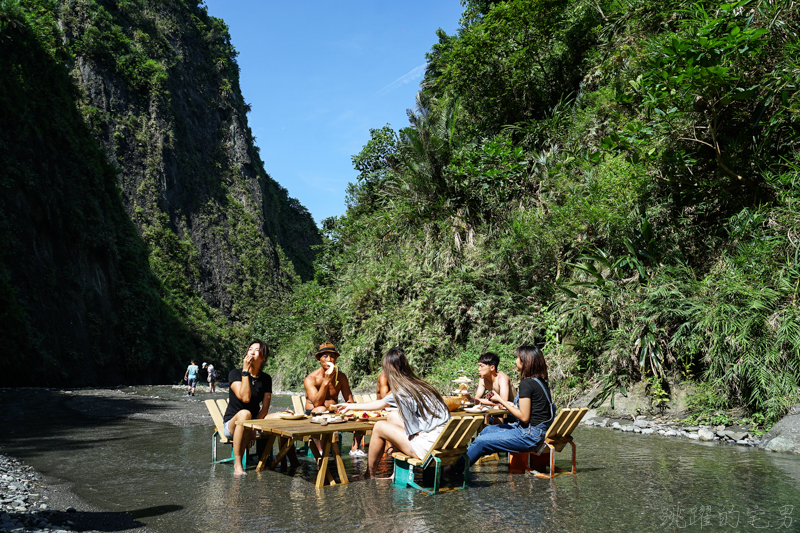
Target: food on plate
<point x="366" y="415"/>
<point x="462" y="380"/>
<point x="332" y="408"/>
<point x="327" y="418"/>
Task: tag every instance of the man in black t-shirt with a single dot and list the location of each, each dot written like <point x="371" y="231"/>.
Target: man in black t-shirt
<point x="249" y="387"/>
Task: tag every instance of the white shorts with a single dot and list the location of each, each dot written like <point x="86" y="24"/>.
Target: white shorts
<point x="421" y="442"/>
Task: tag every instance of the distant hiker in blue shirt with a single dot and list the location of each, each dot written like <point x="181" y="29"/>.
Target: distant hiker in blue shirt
<point x="191" y="377"/>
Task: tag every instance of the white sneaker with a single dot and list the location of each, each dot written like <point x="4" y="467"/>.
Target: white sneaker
<point x="358" y="453"/>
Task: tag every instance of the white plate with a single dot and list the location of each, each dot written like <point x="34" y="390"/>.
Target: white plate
<point x="459" y="391"/>
<point x="462" y="379"/>
<point x="287" y="416"/>
<point x="475" y="409"/>
<point x="320" y="420"/>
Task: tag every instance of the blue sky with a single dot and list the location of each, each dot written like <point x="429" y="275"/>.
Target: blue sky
<point x="320" y="74"/>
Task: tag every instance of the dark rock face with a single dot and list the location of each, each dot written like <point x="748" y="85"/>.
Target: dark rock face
<point x="137" y="225"/>
<point x="176" y="127"/>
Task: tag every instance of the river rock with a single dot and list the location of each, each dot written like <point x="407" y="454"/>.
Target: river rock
<point x="641" y="423"/>
<point x="691" y="428"/>
<point x="705" y="434"/>
<point x="648" y="431"/>
<point x="627" y="429"/>
<point x="787" y="430"/>
<point x="735" y="435"/>
<point x="779" y="444"/>
<point x="615" y="425"/>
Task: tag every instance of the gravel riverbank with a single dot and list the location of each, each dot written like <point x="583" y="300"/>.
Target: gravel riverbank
<point x="671" y="428"/>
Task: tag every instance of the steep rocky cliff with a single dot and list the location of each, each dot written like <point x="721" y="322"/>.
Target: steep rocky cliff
<point x="139" y="227"/>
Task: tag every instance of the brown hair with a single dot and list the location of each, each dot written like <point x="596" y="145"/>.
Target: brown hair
<point x="404" y="382"/>
<point x="533" y="363"/>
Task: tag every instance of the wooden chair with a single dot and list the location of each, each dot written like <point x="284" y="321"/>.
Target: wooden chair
<point x="559" y="435"/>
<point x="217" y="408"/>
<point x="299" y="404"/>
<point x="447" y="450"/>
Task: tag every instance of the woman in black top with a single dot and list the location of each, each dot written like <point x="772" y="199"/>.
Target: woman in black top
<point x="249" y="387"/>
<point x="533" y="408"/>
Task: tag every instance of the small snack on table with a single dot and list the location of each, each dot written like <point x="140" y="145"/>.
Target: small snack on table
<point x="462" y="389"/>
<point x="327" y="418"/>
<point x="288" y="414"/>
<point x="369" y="415"/>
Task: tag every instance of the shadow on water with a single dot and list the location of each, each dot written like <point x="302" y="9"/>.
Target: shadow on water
<point x="102" y="520"/>
<point x="71" y="424"/>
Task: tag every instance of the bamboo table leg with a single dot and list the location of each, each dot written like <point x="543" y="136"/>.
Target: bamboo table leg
<point x="282" y="453"/>
<point x="340" y="465"/>
<point x="323" y="467"/>
<point x="262" y="462"/>
<point x="315" y="452"/>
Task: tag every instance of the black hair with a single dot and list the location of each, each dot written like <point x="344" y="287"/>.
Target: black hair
<point x="490" y="359"/>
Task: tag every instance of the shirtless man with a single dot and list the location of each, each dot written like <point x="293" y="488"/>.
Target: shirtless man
<point x="383" y="386"/>
<point x="323" y="386"/>
<point x="492" y="382"/>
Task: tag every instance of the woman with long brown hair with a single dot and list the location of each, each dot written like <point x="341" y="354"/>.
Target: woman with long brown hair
<point x="420" y="417"/>
<point x="533" y="407"/>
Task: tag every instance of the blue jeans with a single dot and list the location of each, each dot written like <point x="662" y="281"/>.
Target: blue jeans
<point x="506" y="438"/>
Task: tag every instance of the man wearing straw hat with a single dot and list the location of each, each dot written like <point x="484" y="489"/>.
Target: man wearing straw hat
<point x="323" y="386"/>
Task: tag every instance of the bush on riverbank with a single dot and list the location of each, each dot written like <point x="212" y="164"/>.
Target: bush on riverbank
<point x="613" y="180"/>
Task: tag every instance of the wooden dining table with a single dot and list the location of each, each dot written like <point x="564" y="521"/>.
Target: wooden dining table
<point x="302" y="430"/>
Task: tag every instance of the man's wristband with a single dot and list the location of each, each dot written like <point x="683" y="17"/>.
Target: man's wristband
<point x="245" y="373"/>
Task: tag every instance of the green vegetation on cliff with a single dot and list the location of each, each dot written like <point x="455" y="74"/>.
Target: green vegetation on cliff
<point x="138" y="226"/>
<point x="615" y="180"/>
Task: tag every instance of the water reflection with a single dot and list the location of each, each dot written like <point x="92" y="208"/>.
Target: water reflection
<point x="162" y="473"/>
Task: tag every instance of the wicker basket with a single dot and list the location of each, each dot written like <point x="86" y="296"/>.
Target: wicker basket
<point x="453" y="402"/>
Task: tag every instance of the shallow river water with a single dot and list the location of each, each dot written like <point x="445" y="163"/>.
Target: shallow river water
<point x="120" y="457"/>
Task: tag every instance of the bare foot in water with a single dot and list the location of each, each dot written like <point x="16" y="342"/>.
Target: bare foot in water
<point x="238" y="472"/>
<point x="368" y="475"/>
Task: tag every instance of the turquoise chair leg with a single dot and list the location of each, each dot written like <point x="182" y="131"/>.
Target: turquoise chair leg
<point x="437" y="474"/>
<point x="403" y="474"/>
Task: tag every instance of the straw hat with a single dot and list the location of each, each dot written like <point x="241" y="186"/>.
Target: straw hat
<point x="326" y="348"/>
